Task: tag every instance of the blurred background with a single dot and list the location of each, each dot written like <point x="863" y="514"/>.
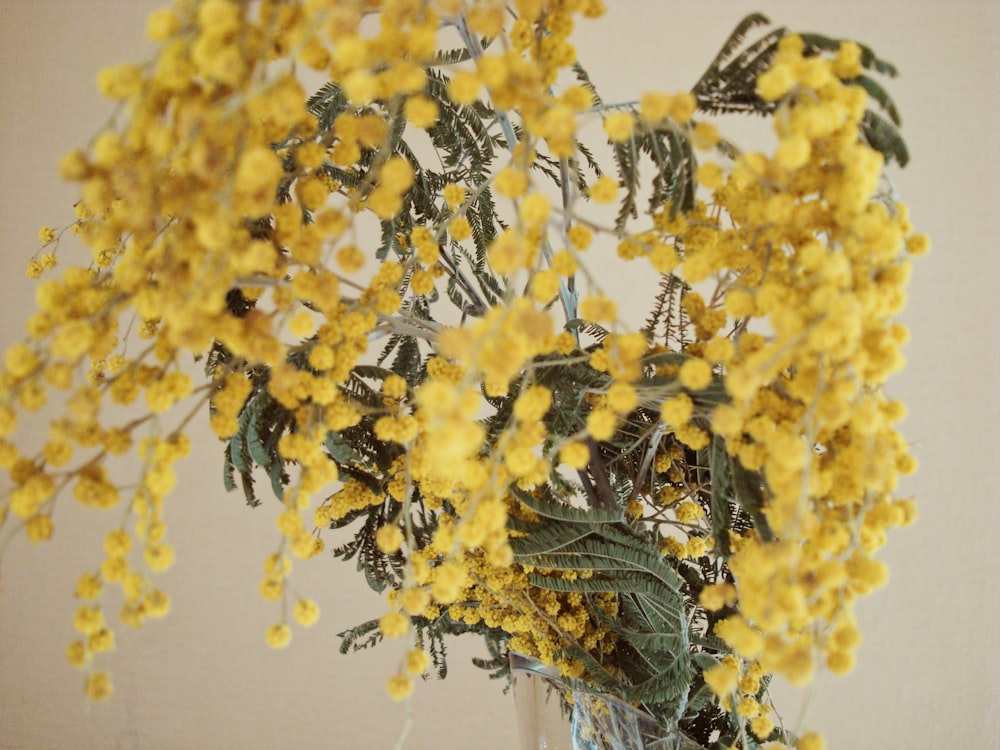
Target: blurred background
<point x="928" y="674"/>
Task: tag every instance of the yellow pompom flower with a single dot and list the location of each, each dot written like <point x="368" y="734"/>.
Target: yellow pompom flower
<point x="394" y="387"/>
<point x="76" y="654"/>
<point x="158" y="557"/>
<point x="710" y="175"/>
<point x="847" y="63"/>
<point x="622" y="397"/>
<point x="117" y="542"/>
<point x="532" y="404"/>
<point x="448" y="581"/>
<point x="39" y="528"/>
<point x="88" y="620"/>
<point x="793" y="151"/>
<point x="417" y="661"/>
<point x="271" y="588"/>
<point x="575" y="455"/>
<point x="394" y="624"/>
<point x="619" y="126"/>
<point x="397" y="174"/>
<point x="564" y="263"/>
<point x="102" y="640"/>
<point x="716" y="596"/>
<point x="604" y="190"/>
<point x="682" y="107"/>
<point x="810" y="741"/>
<point x="422" y="282"/>
<point x="748" y="708"/>
<point x="302" y="324"/>
<point x="544" y="285"/>
<point x="120" y="81"/>
<point x="580" y="236"/>
<point x="460" y="229"/>
<point x="454" y="195"/>
<point x="161" y="24"/>
<point x="601" y="424"/>
<point x="389" y="538"/>
<point x="157" y="603"/>
<point x="719" y="349"/>
<point x="165" y="392"/>
<point x="695" y="374"/>
<point x="597" y="308"/>
<point x="672" y="547"/>
<point x="464" y="87"/>
<point x="762" y="726"/>
<point x="705" y="135"/>
<point x="696" y="547"/>
<point x="400" y="686"/>
<point x="689" y="512"/>
<point x="510" y="182"/>
<point x="421" y="111"/>
<point x="306" y="612"/>
<point x="279" y="636"/>
<point x="350" y="258"/>
<point x="722" y="678"/>
<point x="677" y="411"/>
<point x="738" y="633"/>
<point x="21" y="360"/>
<point x="88" y="587"/>
<point x="414" y="600"/>
<point x="840" y="662"/>
<point x="654" y="106"/>
<point x="775" y="82"/>
<point x="534" y="210"/>
<point x="918" y="244"/>
<point x="98" y="686"/>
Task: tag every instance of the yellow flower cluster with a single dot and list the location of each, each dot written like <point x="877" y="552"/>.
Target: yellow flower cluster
<point x="817" y="256"/>
<point x="180" y="206"/>
<point x="141" y="599"/>
<point x="223" y="222"/>
<point x="539" y="621"/>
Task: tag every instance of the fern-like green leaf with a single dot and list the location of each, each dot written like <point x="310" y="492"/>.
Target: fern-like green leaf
<point x="228" y="471"/>
<point x="721" y="512"/>
<point x="748" y="489"/>
<point x="662" y="599"/>
<point x="549" y="538"/>
<point x="567" y="513"/>
<point x="882" y="136"/>
<point x="360" y="637"/>
<point x="246" y="482"/>
<point x="869" y="60"/>
<point x="610" y="557"/>
<point x="880" y="95"/>
<point x="729" y="47"/>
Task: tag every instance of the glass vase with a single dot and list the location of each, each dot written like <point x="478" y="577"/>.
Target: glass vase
<point x="553" y="715"/>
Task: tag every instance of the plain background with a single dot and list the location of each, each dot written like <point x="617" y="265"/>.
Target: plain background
<point x="203" y="678"/>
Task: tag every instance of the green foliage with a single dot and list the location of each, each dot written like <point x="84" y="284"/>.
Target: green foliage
<point x="610" y="556"/>
<point x="722" y="509"/>
<point x="262" y="422"/>
<point x="432" y="636"/>
<point x="673" y="164"/>
<point x="729" y="83"/>
<point x="884" y="138"/>
<point x="667" y="320"/>
<point x="748" y="491"/>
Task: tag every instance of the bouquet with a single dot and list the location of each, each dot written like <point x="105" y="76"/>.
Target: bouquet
<point x="381" y="295"/>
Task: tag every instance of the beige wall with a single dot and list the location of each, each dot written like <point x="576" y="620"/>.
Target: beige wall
<point x="928" y="672"/>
